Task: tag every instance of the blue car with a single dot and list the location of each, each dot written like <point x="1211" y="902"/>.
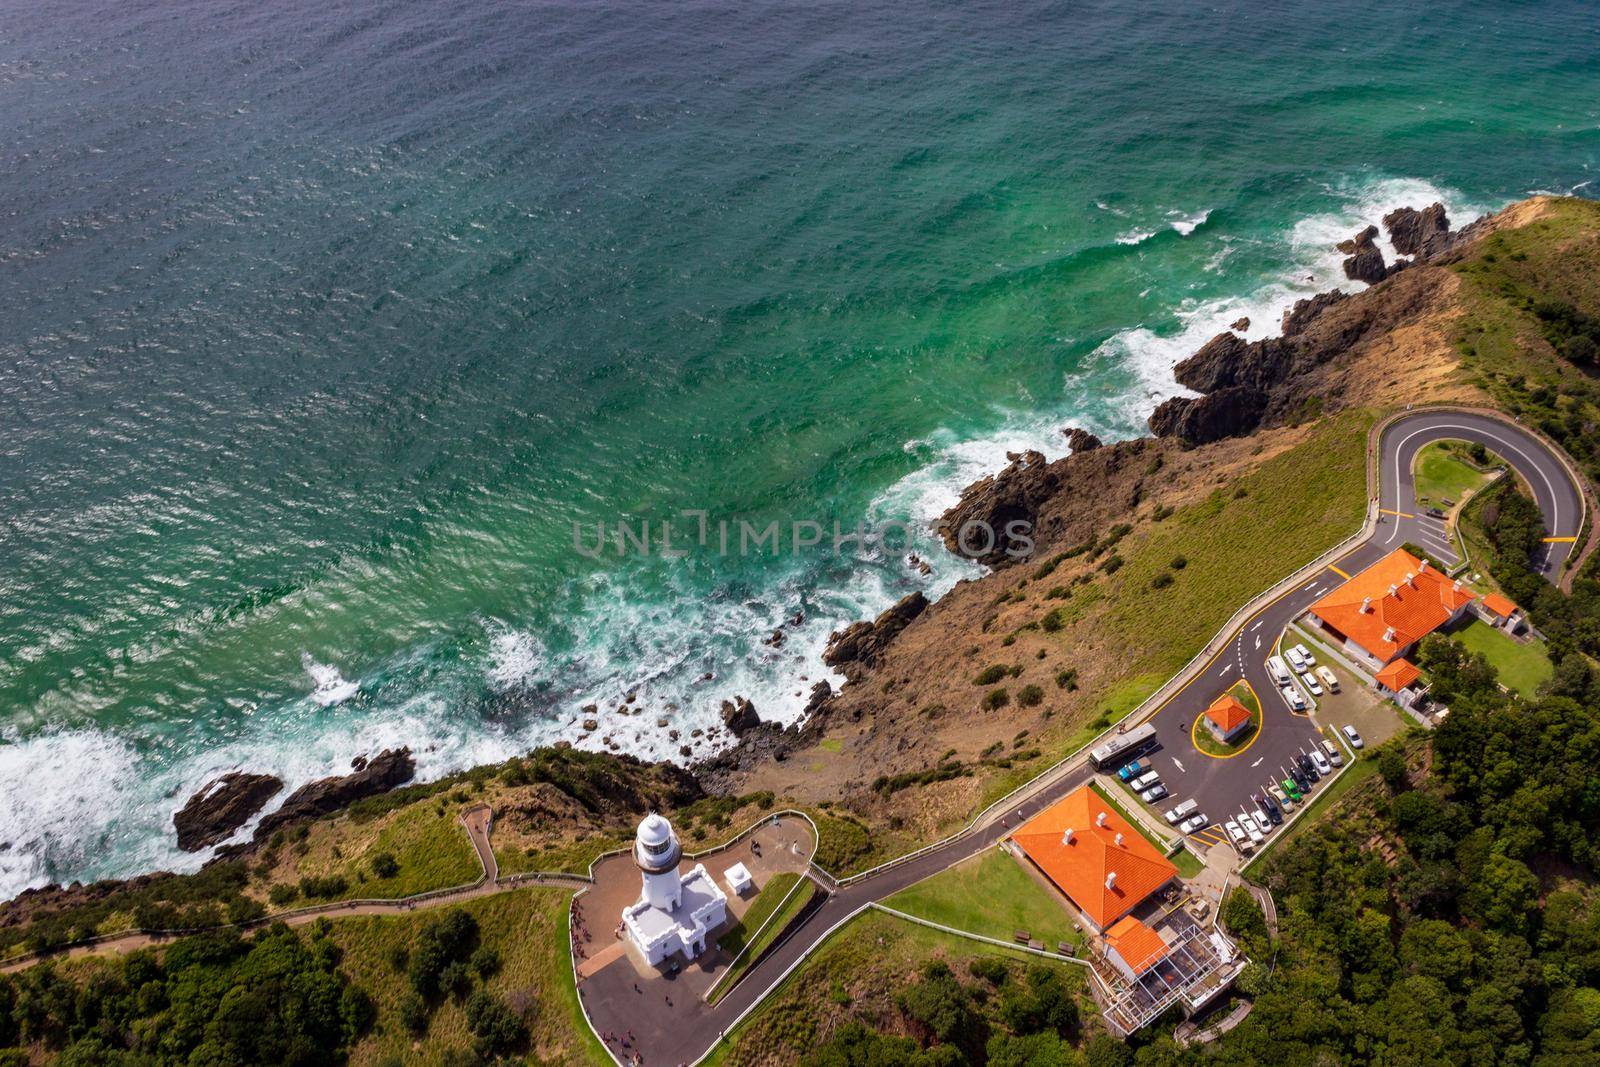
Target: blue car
<point x="1133" y="770"/>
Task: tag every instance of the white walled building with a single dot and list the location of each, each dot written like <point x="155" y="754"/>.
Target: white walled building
<point x="674" y="911"/>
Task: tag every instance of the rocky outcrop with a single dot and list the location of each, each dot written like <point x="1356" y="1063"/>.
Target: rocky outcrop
<point x="1081" y="440"/>
<point x="861" y="643"/>
<point x="1365" y="261"/>
<point x="980" y="527"/>
<point x="1227" y="412"/>
<point x="383" y="772"/>
<point x="739" y="716"/>
<point x="1304" y="312"/>
<point x="222" y="806"/>
<point x="1241" y="324"/>
<point x="1423" y="234"/>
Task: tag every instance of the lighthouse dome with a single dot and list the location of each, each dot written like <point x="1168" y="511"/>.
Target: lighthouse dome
<point x="655" y="846"/>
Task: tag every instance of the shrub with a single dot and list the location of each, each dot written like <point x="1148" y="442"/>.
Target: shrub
<point x="990" y="674"/>
<point x="486" y="961"/>
<point x="997" y="698"/>
<point x="1178" y="563"/>
<point x="283" y="894"/>
<point x="329" y="886"/>
<point x="1067" y="679"/>
<point x="1030" y="696"/>
<point x="991" y="970"/>
<point x="495" y="1028"/>
<point x="1161" y="581"/>
<point x="384" y="865"/>
<point x="1053" y="621"/>
<point x="413" y="1012"/>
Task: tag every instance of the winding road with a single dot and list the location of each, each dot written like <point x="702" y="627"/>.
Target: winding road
<point x="1219" y="783"/>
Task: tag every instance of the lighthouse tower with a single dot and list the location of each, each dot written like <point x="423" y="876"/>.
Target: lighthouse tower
<point x="657" y="852"/>
<point x="674" y="912"/>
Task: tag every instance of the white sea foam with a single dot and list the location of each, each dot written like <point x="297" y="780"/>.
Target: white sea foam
<point x="1187" y="224"/>
<point x="514" y="658"/>
<point x="1134" y="236"/>
<point x="329" y="687"/>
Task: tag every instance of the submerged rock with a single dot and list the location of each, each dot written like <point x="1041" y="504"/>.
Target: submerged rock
<point x="222" y="806"/>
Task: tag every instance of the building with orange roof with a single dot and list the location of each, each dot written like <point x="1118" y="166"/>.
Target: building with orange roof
<point x="1500" y="611"/>
<point x="1381" y="613"/>
<point x="1133" y="948"/>
<point x="1101" y="863"/>
<point x="1397" y="675"/>
<point x="1227" y="718"/>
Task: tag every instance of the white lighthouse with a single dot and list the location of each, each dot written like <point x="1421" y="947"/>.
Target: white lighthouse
<point x="674" y="911"/>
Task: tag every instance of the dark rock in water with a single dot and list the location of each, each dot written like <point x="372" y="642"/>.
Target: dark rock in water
<point x="861" y="643"/>
<point x="221" y="807"/>
<point x="382" y="773"/>
<point x="1228" y="412"/>
<point x="1241" y="324"/>
<point x="1081" y="440"/>
<point x="981" y="526"/>
<point x="1304" y="312"/>
<point x="359" y="763"/>
<point x="1423" y="234"/>
<point x="1365" y="262"/>
<point x="739" y="716"/>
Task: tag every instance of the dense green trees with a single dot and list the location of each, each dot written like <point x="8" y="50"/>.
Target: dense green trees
<point x="276" y="998"/>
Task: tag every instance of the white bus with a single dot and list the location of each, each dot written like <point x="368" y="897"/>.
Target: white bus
<point x="1122" y="747"/>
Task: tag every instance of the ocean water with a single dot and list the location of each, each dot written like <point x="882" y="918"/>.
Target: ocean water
<point x="321" y="325"/>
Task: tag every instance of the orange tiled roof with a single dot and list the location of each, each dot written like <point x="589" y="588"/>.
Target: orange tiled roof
<point x="1422" y="600"/>
<point x="1139" y="946"/>
<point x="1397" y="675"/>
<point x="1080" y="868"/>
<point x="1499" y="605"/>
<point x="1228" y="713"/>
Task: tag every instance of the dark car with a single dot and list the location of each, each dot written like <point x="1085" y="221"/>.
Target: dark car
<point x="1266" y="803"/>
<point x="1300" y="779"/>
<point x="1307" y="768"/>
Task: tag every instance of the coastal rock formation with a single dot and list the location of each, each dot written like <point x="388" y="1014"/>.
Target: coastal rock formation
<point x="1081" y="440"/>
<point x="739" y="716"/>
<point x="222" y="806"/>
<point x="1227" y="412"/>
<point x="861" y="643"/>
<point x="1304" y="312"/>
<point x="1365" y="261"/>
<point x="1241" y="324"/>
<point x="389" y="768"/>
<point x="1423" y="234"/>
<point x="976" y="528"/>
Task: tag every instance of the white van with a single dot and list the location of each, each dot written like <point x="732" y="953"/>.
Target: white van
<point x="1183" y="811"/>
<point x="1144" y="781"/>
<point x="1335" y="757"/>
<point x="1292" y="695"/>
<point x="1295" y="659"/>
<point x="1278" y="669"/>
<point x="1237" y="836"/>
<point x="1305" y="654"/>
<point x="1329" y="679"/>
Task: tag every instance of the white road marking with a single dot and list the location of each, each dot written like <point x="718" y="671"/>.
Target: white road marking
<point x="1179" y="764"/>
<point x="1257" y="626"/>
<point x="1257" y="763"/>
<point x="1258" y="640"/>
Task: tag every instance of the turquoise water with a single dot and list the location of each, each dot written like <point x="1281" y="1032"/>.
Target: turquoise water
<point x="324" y="323"/>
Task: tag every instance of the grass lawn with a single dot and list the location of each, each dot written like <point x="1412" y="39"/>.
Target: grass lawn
<point x="855" y="975"/>
<point x="1189" y="865"/>
<point x="425" y="839"/>
<point x="782" y="907"/>
<point x="527" y="927"/>
<point x="573" y="858"/>
<point x="1522" y="666"/>
<point x="1127" y="817"/>
<point x="990" y="894"/>
<point x="1207" y="743"/>
<point x="1443" y="475"/>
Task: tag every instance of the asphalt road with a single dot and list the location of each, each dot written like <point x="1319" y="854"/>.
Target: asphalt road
<point x="1221" y="785"/>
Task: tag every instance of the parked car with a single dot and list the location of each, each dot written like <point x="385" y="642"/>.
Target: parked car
<point x="1275" y="791"/>
<point x="1329" y="679"/>
<point x="1240" y="839"/>
<point x="1295" y="659"/>
<point x="1353" y="737"/>
<point x="1301" y="779"/>
<point x="1321" y="763"/>
<point x="1308" y="768"/>
<point x="1153" y="794"/>
<point x="1248" y="825"/>
<point x="1312" y="684"/>
<point x="1291" y="789"/>
<point x="1331" y="750"/>
<point x="1133" y="770"/>
<point x="1267" y="804"/>
<point x="1292" y="695"/>
<point x="1145" y="781"/>
<point x="1192" y="823"/>
<point x="1305" y="653"/>
<point x="1183" y="811"/>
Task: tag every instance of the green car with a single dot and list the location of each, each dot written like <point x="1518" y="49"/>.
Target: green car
<point x="1292" y="789"/>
